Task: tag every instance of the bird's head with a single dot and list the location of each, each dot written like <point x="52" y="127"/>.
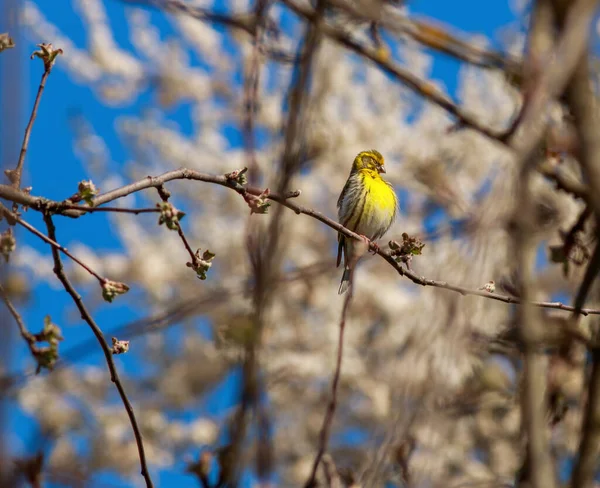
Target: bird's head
<point x="370" y="160"/>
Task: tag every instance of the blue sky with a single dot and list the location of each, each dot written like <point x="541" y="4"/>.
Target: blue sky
<point x="54" y="171"/>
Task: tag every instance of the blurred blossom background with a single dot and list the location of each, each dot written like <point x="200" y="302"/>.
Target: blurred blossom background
<point x="430" y="380"/>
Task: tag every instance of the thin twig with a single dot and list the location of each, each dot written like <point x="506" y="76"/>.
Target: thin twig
<point x="165" y="195"/>
<point x="25" y="334"/>
<point x="87" y="209"/>
<point x="175" y="315"/>
<point x="186" y="243"/>
<point x="114" y="376"/>
<point x="16" y="175"/>
<point x="328" y="420"/>
<point x="12" y="216"/>
<point x="565" y="183"/>
<point x="591" y="272"/>
<point x="331" y="472"/>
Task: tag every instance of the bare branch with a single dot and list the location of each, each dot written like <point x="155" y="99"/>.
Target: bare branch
<point x="39" y="203"/>
<point x="244" y="22"/>
<point x="553" y="80"/>
<point x="584" y="107"/>
<point x="165" y="195"/>
<point x="328" y="420"/>
<point x="419" y="86"/>
<point x="586" y="466"/>
<point x="25" y="334"/>
<point x="47" y="54"/>
<point x="565" y="183"/>
<point x="538" y="461"/>
<point x="251" y="84"/>
<point x="114" y="376"/>
<point x="331" y="472"/>
<point x="87" y="209"/>
<point x="241" y="22"/>
<point x="549" y="83"/>
<point x="12" y="216"/>
<point x="437" y="38"/>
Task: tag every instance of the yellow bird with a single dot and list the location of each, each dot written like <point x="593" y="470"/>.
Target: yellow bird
<point x="367" y="205"/>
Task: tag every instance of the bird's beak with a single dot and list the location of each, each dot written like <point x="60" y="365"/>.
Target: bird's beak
<point x="381" y="169"/>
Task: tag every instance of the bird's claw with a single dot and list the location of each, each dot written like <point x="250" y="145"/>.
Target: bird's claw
<point x="370" y="244"/>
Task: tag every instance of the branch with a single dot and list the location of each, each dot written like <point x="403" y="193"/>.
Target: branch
<point x="331" y="472"/>
<point x="174" y="315"/>
<point x="583" y="103"/>
<point x="328" y="420"/>
<point x="39" y="203"/>
<point x="114" y="376"/>
<point x="240" y="22"/>
<point x="565" y="183"/>
<point x="437" y="38"/>
<point x="413" y="82"/>
<point x="27" y="336"/>
<point x="545" y="86"/>
<point x="87" y="209"/>
<point x="165" y="195"/>
<point x="538" y="461"/>
<point x="251" y="83"/>
<point x="586" y="465"/>
<point x="12" y="216"/>
<point x="243" y="22"/>
<point x="48" y="55"/>
<point x="589" y="277"/>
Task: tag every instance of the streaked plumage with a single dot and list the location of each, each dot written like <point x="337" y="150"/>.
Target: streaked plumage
<point x="367" y="205"/>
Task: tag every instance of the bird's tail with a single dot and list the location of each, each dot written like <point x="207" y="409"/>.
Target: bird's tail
<point x="345" y="284"/>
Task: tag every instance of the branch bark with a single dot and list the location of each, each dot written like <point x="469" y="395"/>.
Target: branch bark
<point x="114" y="376"/>
<point x="328" y="420"/>
<point x="39" y="203"/>
<point x="584" y="107"/>
<point x="538" y="461"/>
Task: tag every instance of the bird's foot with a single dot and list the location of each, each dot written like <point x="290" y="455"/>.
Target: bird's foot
<point x="370" y="244"/>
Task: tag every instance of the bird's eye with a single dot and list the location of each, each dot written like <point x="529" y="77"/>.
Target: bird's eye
<point x="368" y="161"/>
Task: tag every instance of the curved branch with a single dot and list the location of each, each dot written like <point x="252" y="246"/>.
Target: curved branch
<point x="114" y="375"/>
<point x="39" y="203"/>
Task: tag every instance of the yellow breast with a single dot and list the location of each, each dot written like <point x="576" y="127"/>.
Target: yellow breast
<point x="380" y="205"/>
<point x="381" y="195"/>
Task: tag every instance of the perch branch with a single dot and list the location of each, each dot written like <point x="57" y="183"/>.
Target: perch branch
<point x="151" y="182"/>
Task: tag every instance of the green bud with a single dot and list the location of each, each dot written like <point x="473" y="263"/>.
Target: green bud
<point x="110" y="289"/>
